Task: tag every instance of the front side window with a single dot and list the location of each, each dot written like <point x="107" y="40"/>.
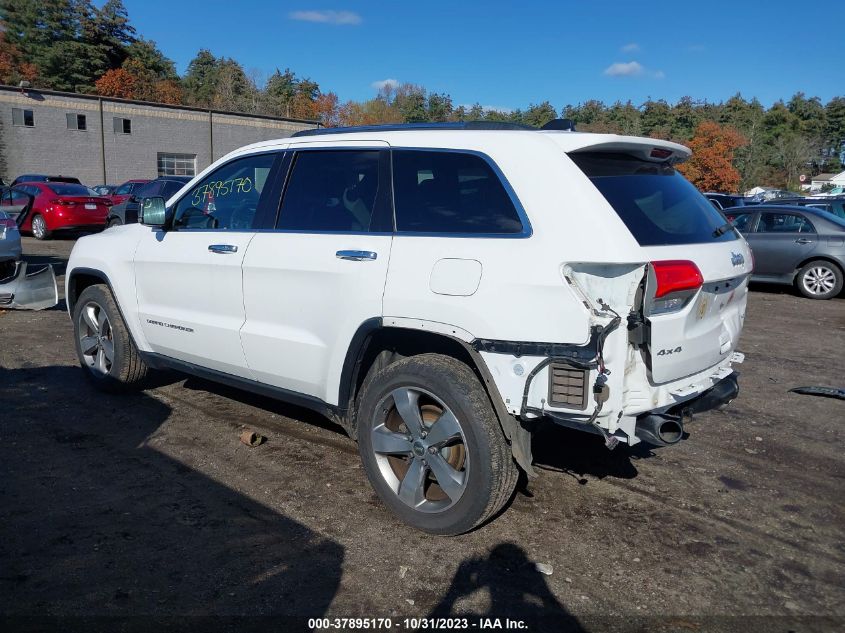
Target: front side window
<point x="784" y="223"/>
<point x="658" y="205"/>
<point x="124" y="189"/>
<point x="450" y="192"/>
<point x="226" y="199"/>
<point x="331" y="190"/>
<point x="24" y="118"/>
<point x="741" y="221"/>
<point x="147" y="190"/>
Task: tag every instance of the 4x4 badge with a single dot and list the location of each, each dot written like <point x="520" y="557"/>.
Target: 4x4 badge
<point x="737" y="259"/>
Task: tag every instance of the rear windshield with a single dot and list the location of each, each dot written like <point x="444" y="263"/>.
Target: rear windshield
<point x="69" y="189"/>
<point x="657" y="204"/>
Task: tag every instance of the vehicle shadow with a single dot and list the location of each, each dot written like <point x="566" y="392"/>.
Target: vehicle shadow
<point x="577" y="453"/>
<point x="517" y="591"/>
<point x="98" y="518"/>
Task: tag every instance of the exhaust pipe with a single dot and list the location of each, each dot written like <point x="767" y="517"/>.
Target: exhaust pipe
<point x="660" y="429"/>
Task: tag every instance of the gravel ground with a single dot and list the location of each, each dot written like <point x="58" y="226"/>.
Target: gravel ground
<point x="148" y="505"/>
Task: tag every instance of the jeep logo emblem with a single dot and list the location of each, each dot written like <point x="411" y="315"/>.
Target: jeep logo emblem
<point x="737" y="259"/>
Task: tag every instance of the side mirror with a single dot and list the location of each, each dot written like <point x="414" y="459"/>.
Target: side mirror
<point x="153" y="212"/>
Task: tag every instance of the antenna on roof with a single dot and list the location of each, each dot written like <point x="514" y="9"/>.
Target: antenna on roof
<point x="560" y="124"/>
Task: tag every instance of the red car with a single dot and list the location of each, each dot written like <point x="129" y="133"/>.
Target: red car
<point x="122" y="193"/>
<point x="60" y="206"/>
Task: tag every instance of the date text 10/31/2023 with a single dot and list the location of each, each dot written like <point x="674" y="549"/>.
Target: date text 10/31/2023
<point x="416" y="624"/>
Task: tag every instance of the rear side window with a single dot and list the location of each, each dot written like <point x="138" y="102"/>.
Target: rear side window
<point x="331" y="191"/>
<point x="784" y="223"/>
<point x="450" y="192"/>
<point x="657" y="204"/>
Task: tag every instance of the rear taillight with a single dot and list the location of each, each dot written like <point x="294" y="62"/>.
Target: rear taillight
<point x="676" y="281"/>
<point x="64" y="203"/>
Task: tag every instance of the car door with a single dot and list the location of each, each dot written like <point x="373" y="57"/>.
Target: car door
<point x="780" y="241"/>
<point x="14" y="202"/>
<point x="318" y="276"/>
<point x="188" y="279"/>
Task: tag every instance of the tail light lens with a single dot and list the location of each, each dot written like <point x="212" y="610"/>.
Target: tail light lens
<point x="676" y="281"/>
<point x="64" y="203"/>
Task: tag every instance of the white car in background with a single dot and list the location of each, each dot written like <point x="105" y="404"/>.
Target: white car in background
<point x="437" y="290"/>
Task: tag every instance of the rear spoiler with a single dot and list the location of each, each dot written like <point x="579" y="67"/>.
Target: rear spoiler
<point x="644" y="149"/>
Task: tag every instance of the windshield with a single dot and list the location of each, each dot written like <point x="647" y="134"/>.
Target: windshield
<point x="657" y="204"/>
<point x="69" y="189"/>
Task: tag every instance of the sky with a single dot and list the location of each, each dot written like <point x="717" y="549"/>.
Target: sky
<point x="507" y="55"/>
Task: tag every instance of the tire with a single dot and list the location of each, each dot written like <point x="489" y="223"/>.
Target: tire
<point x="114" y="222"/>
<point x="474" y="464"/>
<point x="39" y="227"/>
<point x="819" y="279"/>
<point x="99" y="330"/>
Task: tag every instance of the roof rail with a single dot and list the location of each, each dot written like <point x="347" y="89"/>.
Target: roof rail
<point x="397" y="127"/>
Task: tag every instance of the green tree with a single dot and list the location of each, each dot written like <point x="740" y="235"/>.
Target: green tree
<point x="109" y="30"/>
<point x="200" y="81"/>
<point x="539" y="114"/>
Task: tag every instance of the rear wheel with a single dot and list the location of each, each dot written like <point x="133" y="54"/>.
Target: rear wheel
<point x="820" y="279"/>
<point x="115" y="222"/>
<point x="39" y="227"/>
<point x="103" y="345"/>
<point x="431" y="445"/>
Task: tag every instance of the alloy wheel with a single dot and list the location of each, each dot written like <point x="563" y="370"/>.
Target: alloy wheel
<point x="819" y="280"/>
<point x="420" y="449"/>
<point x="96" y="339"/>
<point x="39" y="227"/>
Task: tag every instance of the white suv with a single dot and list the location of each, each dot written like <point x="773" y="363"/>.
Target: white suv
<point x="437" y="290"/>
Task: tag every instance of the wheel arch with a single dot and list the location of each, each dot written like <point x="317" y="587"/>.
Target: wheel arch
<point x="375" y="344"/>
<point x="81" y="278"/>
<point x="824" y="258"/>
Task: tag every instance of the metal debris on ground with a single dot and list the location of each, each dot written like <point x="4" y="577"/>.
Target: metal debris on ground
<point x="544" y="568"/>
<point x="825" y="392"/>
<point x="251" y="438"/>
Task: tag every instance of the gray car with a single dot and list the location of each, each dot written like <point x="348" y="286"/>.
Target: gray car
<point x="804" y="246"/>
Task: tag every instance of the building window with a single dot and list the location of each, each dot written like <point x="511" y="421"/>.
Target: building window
<point x="122" y="126"/>
<point x="76" y="121"/>
<point x="177" y="164"/>
<point x="24" y="118"/>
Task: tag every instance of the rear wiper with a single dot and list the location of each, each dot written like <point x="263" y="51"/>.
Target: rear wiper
<point x="723" y="229"/>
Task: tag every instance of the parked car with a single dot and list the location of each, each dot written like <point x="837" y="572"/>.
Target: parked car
<point x="10" y="241"/>
<point x="836" y="206"/>
<point x="126" y="212"/>
<point x="796" y="245"/>
<point x="437" y="290"/>
<point x="61" y="206"/>
<point x="122" y="192"/>
<point x="726" y="201"/>
<point x="43" y="178"/>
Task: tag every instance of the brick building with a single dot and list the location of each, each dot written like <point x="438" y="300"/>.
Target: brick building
<point x="102" y="140"/>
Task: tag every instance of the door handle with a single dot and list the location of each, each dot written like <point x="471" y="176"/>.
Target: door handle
<point x="803" y="240"/>
<point x="356" y="256"/>
<point x="222" y="249"/>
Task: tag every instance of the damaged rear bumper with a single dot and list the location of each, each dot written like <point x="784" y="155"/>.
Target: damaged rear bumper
<point x="25" y="290"/>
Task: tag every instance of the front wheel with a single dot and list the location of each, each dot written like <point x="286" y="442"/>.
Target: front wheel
<point x="39" y="227"/>
<point x="820" y="279"/>
<point x="103" y="344"/>
<point x="432" y="446"/>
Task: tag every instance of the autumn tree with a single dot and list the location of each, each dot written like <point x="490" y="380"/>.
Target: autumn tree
<point x="711" y="166"/>
<point x="118" y="82"/>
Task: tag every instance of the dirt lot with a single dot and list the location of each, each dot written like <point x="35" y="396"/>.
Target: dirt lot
<point x="148" y="504"/>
